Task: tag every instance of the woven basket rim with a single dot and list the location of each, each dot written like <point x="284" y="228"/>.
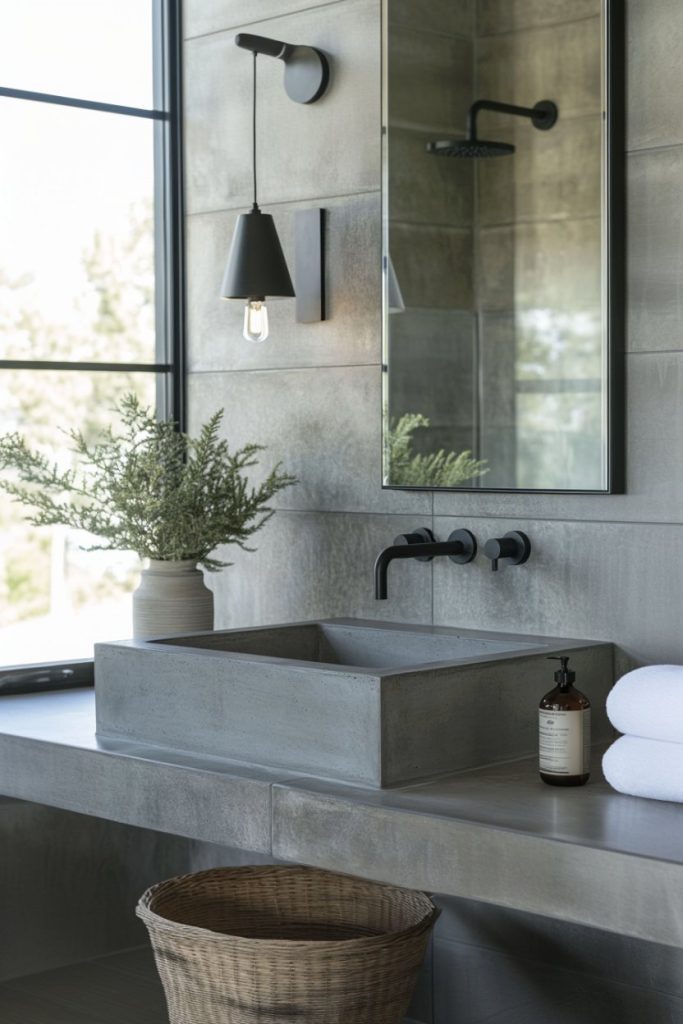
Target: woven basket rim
<point x="208" y="936"/>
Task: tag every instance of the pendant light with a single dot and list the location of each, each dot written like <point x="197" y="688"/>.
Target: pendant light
<point x="256" y="265"/>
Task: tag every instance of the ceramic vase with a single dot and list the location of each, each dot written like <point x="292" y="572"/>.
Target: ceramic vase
<point x="172" y="599"/>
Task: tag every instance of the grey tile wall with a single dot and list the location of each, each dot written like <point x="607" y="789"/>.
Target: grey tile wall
<point x="353" y="272"/>
<point x="433" y="265"/>
<point x="450" y="17"/>
<point x="331" y="443"/>
<point x="310" y="565"/>
<point x="655" y="224"/>
<point x="571" y="947"/>
<point x="552" y="262"/>
<point x="205" y="16"/>
<point x="478" y="986"/>
<point x="330" y="148"/>
<point x="426" y="189"/>
<point x="495" y="16"/>
<point x="523" y="969"/>
<point x="606" y="567"/>
<point x="539" y="63"/>
<point x="432" y="361"/>
<point x="554" y="175"/>
<point x="433" y="75"/>
<point x="654" y="73"/>
<point x="69" y="883"/>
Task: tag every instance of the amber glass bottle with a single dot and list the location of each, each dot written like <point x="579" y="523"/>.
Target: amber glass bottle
<point x="564" y="731"/>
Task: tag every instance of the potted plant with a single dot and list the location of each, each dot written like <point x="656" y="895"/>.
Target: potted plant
<point x="155" y="490"/>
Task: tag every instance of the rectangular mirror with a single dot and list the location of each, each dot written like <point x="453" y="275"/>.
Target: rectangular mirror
<point x="502" y="221"/>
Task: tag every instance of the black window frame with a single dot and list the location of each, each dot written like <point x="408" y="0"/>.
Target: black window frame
<point x="169" y="364"/>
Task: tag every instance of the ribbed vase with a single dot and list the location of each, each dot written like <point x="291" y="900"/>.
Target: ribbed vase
<point x="172" y="599"/>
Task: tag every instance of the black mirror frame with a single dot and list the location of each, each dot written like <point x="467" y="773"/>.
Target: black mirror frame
<point x="614" y="192"/>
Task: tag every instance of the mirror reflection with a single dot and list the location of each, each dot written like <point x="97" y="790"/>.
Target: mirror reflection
<point x="495" y="257"/>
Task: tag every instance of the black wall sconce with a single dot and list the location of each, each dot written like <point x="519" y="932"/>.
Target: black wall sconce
<point x="256" y="265"/>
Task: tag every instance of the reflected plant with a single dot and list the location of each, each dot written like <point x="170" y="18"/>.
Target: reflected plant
<point x="405" y="468"/>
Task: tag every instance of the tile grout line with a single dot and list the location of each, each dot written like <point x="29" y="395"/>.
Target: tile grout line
<point x="638" y="150"/>
<point x="515" y="516"/>
<point x="259" y="21"/>
<point x="573" y="971"/>
<point x="299" y="201"/>
<point x="518" y="30"/>
<point x="376" y="364"/>
<point x="497" y="225"/>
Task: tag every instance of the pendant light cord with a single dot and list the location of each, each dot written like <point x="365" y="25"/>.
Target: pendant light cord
<point x="253" y="130"/>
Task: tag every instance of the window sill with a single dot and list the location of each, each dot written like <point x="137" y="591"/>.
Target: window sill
<point x="47" y="677"/>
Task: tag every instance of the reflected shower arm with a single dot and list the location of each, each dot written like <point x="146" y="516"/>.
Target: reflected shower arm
<point x="543" y="115"/>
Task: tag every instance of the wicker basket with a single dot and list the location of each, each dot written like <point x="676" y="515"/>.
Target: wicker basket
<point x="272" y="945"/>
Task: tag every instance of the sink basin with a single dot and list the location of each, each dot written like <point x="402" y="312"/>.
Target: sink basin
<point x="373" y="703"/>
<point x="345" y="643"/>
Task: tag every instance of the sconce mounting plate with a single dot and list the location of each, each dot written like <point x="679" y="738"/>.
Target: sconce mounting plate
<point x="307" y="70"/>
<point x="309" y="269"/>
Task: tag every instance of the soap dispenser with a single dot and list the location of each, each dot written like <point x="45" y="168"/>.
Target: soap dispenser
<point x="564" y="731"/>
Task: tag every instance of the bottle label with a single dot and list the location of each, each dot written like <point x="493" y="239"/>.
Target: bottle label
<point x="564" y="739"/>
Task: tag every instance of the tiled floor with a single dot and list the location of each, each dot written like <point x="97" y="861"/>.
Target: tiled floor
<point x="119" y="989"/>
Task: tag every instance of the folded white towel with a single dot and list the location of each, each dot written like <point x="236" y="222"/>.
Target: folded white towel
<point x="649" y="702"/>
<point x="649" y="768"/>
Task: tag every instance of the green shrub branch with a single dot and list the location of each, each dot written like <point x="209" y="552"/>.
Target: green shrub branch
<point x="150" y="488"/>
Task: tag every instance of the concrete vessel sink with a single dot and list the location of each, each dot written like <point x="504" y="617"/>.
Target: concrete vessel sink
<point x="373" y="703"/>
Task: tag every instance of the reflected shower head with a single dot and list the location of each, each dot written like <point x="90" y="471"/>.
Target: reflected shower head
<point x="476" y="149"/>
<point x="543" y="116"/>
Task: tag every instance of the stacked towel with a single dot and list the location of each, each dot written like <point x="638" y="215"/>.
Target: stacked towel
<point x="641" y="767"/>
<point x="647" y="705"/>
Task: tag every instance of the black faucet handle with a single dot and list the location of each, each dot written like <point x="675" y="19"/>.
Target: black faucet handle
<point x="422" y="535"/>
<point x="515" y="547"/>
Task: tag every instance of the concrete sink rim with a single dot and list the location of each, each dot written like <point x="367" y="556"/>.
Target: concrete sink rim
<point x="521" y="646"/>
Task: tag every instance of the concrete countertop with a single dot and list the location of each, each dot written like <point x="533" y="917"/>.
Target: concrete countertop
<point x="495" y="834"/>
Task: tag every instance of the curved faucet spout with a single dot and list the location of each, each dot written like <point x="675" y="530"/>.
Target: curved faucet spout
<point x="461" y="546"/>
<point x="386" y="557"/>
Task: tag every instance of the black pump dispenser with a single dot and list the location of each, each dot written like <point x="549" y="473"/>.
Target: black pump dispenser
<point x="564" y="677"/>
<point x="564" y="730"/>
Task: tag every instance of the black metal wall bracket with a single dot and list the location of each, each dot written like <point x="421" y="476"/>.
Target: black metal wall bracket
<point x="307" y="70"/>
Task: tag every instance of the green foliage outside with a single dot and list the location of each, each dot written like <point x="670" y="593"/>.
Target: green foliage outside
<point x="148" y="488"/>
<point x="111" y="319"/>
<point x="404" y="468"/>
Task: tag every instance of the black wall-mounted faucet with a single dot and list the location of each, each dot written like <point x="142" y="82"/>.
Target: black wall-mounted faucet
<point x="461" y="547"/>
<point x="514" y="547"/>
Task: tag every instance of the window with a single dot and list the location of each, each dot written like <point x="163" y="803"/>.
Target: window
<point x="90" y="272"/>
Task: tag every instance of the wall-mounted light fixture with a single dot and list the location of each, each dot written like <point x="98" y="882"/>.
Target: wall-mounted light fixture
<point x="256" y="264"/>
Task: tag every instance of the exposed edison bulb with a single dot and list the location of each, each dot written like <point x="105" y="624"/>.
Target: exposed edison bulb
<point x="255" y="320"/>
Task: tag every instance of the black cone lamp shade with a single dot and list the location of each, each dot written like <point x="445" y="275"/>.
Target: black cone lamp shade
<point x="256" y="263"/>
<point x="256" y="268"/>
